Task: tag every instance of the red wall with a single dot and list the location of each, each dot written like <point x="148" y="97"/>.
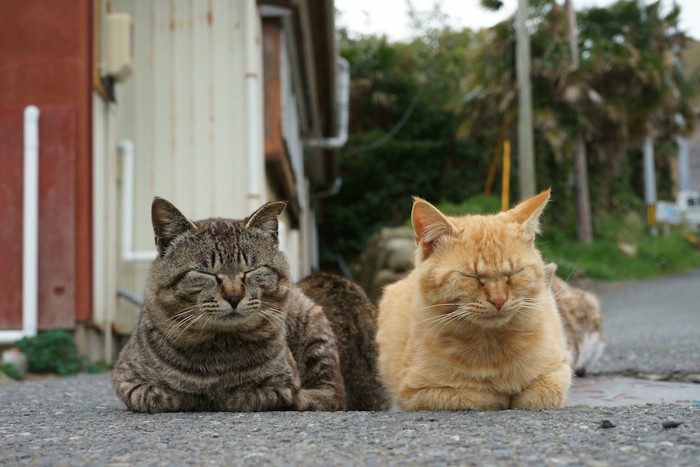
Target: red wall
<point x="57" y="259"/>
<point x="46" y="60"/>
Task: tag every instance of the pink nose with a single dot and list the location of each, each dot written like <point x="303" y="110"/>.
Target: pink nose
<point x="497" y="302"/>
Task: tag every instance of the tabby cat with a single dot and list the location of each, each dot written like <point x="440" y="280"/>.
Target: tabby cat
<point x="353" y="318"/>
<point x="474" y="325"/>
<point x="582" y="319"/>
<point x="221" y="328"/>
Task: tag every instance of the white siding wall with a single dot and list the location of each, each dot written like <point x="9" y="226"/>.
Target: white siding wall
<point x="184" y="108"/>
<point x="298" y="251"/>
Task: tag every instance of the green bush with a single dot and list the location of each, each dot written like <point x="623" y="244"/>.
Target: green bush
<point x="479" y="204"/>
<point x="52" y="351"/>
<point x="603" y="260"/>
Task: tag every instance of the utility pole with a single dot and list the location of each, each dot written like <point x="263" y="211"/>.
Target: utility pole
<point x="526" y="146"/>
<point x="681" y="140"/>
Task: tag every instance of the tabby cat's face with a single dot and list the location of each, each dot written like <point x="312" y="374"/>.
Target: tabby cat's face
<point x="217" y="274"/>
<point x="484" y="270"/>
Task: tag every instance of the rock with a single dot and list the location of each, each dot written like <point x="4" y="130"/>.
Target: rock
<point x="671" y="424"/>
<point x="606" y="424"/>
<point x="387" y="258"/>
<point x="627" y="249"/>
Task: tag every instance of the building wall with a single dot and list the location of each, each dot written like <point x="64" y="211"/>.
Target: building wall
<point x="186" y="110"/>
<point x="45" y="60"/>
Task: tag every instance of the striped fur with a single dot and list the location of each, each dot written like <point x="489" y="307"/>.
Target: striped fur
<point x="353" y="318"/>
<point x="222" y="328"/>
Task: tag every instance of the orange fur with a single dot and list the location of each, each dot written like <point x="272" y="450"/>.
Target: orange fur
<point x="473" y="326"/>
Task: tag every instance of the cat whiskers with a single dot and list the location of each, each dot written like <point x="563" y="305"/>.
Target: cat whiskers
<point x="181" y="325"/>
<point x="177" y="319"/>
<point x="272" y="314"/>
<point x="189" y="325"/>
<point x="460" y="314"/>
<point x="204" y="326"/>
<point x="435" y="306"/>
<point x="519" y="310"/>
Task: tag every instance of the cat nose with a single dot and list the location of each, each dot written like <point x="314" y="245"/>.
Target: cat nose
<point x="498" y="302"/>
<point x="234" y="299"/>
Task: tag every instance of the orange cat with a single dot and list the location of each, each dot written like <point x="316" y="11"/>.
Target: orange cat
<point x="474" y="326"/>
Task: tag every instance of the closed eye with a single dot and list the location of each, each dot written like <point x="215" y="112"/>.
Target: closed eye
<point x="510" y="274"/>
<point x="252" y="270"/>
<point x="471" y="276"/>
<point x="208" y="274"/>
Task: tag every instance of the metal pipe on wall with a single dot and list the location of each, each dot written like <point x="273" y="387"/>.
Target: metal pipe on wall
<point x="30" y="231"/>
<point x="343" y="90"/>
<point x="254" y="118"/>
<point x="30" y="242"/>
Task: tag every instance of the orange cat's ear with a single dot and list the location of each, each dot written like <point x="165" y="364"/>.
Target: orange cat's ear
<point x="528" y="212"/>
<point x="429" y="225"/>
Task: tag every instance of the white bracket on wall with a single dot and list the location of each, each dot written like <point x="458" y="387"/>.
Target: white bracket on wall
<point x="126" y="149"/>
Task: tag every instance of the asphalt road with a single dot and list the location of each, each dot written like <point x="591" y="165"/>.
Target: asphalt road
<point x="652" y="326"/>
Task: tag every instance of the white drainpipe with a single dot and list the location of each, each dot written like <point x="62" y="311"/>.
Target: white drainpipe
<point x="30" y="231"/>
<point x="253" y="113"/>
<point x="343" y="89"/>
<point x="126" y="149"/>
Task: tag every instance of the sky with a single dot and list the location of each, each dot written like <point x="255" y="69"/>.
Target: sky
<point x="390" y="16"/>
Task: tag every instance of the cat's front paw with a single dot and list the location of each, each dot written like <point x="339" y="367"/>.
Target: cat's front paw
<point x="546" y="392"/>
<point x="325" y="399"/>
<point x="261" y="399"/>
<point x="149" y="398"/>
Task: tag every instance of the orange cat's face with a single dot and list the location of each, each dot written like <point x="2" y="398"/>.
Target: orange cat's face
<point x="481" y="269"/>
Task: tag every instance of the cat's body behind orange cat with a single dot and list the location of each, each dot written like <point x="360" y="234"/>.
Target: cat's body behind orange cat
<point x="473" y="326"/>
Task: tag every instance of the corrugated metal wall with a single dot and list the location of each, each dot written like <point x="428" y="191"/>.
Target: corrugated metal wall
<point x="184" y="109"/>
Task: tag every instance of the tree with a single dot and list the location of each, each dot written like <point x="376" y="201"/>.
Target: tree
<point x="402" y="136"/>
<point x="624" y="83"/>
<point x="426" y="115"/>
<point x="584" y="220"/>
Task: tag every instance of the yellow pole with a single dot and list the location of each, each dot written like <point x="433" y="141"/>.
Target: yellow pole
<point x="505" y="183"/>
<point x="495" y="160"/>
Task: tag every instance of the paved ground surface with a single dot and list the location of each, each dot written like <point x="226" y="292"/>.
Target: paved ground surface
<point x="653" y="329"/>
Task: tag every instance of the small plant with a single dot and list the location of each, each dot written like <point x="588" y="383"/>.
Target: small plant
<point x="52" y="351"/>
<point x="95" y="367"/>
<point x="10" y="370"/>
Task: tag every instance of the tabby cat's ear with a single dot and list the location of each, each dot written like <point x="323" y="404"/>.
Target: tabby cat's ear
<point x="168" y="223"/>
<point x="265" y="217"/>
<point x="429" y="225"/>
<point x="528" y="213"/>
